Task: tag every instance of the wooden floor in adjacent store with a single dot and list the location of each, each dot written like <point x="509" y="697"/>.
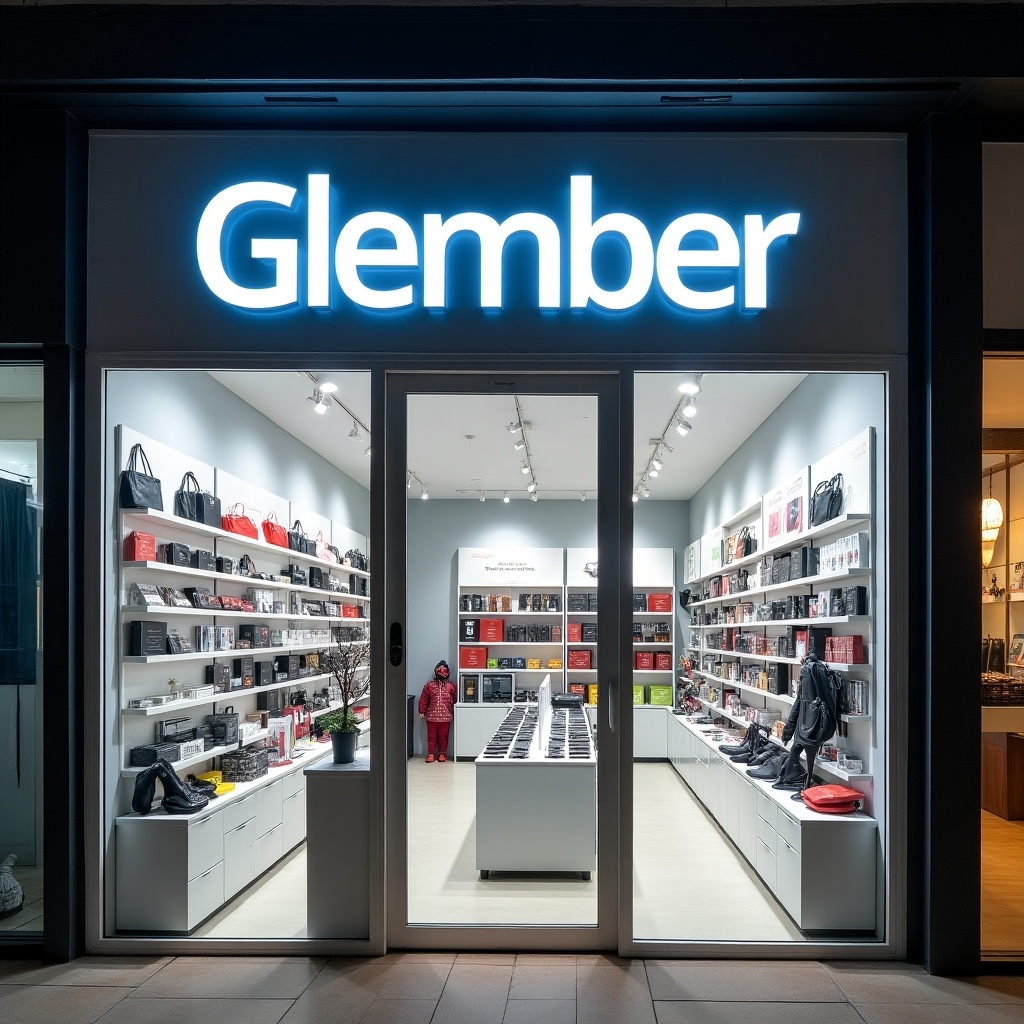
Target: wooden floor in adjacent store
<point x="1002" y="886"/>
<point x="685" y="872"/>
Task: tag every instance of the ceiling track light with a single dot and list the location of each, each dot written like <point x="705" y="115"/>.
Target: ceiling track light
<point x="408" y="481"/>
<point x="683" y="427"/>
<point x="519" y="445"/>
<point x="514" y="428"/>
<point x="504" y="497"/>
<point x="354" y="432"/>
<point x="424" y="493"/>
<point x="524" y="468"/>
<point x="652" y="472"/>
<point x="533" y="496"/>
<point x="532" y="486"/>
<point x="367" y="451"/>
<point x="483" y="497"/>
<point x="321" y="403"/>
<point x="328" y="388"/>
<point x="691" y="384"/>
<point x="583" y="495"/>
<point x="656" y="463"/>
<point x="635" y="497"/>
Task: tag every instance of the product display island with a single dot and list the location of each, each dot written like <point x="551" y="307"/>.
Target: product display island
<point x="536" y="793"/>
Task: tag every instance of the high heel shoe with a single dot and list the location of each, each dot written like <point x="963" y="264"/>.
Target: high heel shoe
<point x="145" y="787"/>
<point x="179" y="798"/>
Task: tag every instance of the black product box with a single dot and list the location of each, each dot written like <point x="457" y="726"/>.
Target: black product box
<point x="836" y="602"/>
<point x="148" y="753"/>
<point x="224" y="726"/>
<point x="465" y="603"/>
<point x="816" y="640"/>
<point x="778" y="678"/>
<point x="242" y="674"/>
<point x="592" y="602"/>
<point x="175" y="554"/>
<point x="146" y="638"/>
<point x="553" y="602"/>
<point x="257" y="634"/>
<point x="296" y="573"/>
<point x="532" y="634"/>
<point x="316" y="578"/>
<point x="505" y="663"/>
<point x="518" y="663"/>
<point x="287" y="663"/>
<point x="264" y="673"/>
<point x="544" y="634"/>
<point x="218" y="675"/>
<point x="813" y="561"/>
<point x="525" y="602"/>
<point x="269" y="700"/>
<point x="578" y="603"/>
<point x="639" y="602"/>
<point x="780" y="569"/>
<point x="203" y="560"/>
<point x="225" y="564"/>
<point x="855" y="600"/>
<point x="470" y="689"/>
<point x="469" y="630"/>
<point x="588" y="632"/>
<point x="798" y="563"/>
<point x="199" y="596"/>
<point x="638" y="633"/>
<point x="790" y="643"/>
<point x="537" y="602"/>
<point x="476" y="603"/>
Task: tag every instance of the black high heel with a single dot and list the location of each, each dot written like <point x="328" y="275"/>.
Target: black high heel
<point x="178" y="797"/>
<point x="145" y="787"/>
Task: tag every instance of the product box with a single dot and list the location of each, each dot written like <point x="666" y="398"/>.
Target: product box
<point x="644" y="660"/>
<point x="204" y="638"/>
<point x="517" y="663"/>
<point x="270" y="700"/>
<point x="492" y="662"/>
<point x="592" y="693"/>
<point x="264" y="673"/>
<point x="139" y="547"/>
<point x="242" y="674"/>
<point x="203" y="560"/>
<point x="663" y="661"/>
<point x="578" y="690"/>
<point x="470" y="686"/>
<point x="592" y="602"/>
<point x="639" y="602"/>
<point x="554" y="663"/>
<point x="639" y="694"/>
<point x="148" y="753"/>
<point x="145" y="594"/>
<point x="577" y="602"/>
<point x="350" y="611"/>
<point x="218" y="675"/>
<point x="503" y="663"/>
<point x="816" y="640"/>
<point x="492" y="631"/>
<point x="472" y="657"/>
<point x="662" y="602"/>
<point x="257" y="634"/>
<point x="778" y="678"/>
<point x="175" y="554"/>
<point x="579" y="659"/>
<point x="659" y="695"/>
<point x="223" y="638"/>
<point x="147" y="638"/>
<point x="533" y="663"/>
<point x="589" y="632"/>
<point x="573" y="632"/>
<point x="469" y="631"/>
<point x="855" y="600"/>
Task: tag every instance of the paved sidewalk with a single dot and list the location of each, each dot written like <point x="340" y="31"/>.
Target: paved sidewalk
<point x="494" y="988"/>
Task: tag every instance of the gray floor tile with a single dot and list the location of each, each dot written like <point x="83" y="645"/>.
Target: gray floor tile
<point x="605" y="960"/>
<point x="939" y="1013"/>
<point x="232" y="977"/>
<point x="117" y="971"/>
<point x="188" y="1011"/>
<point x="613" y="995"/>
<point x="47" y="1004"/>
<point x="906" y="983"/>
<point x="545" y="959"/>
<point x="338" y="995"/>
<point x="474" y="993"/>
<point x="492" y="959"/>
<point x="399" y="1011"/>
<point x="428" y="957"/>
<point x="414" y="981"/>
<point x="689" y="1012"/>
<point x="541" y="1011"/>
<point x="751" y="980"/>
<point x="538" y="981"/>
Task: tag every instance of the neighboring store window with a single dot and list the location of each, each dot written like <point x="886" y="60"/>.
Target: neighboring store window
<point x="21" y="643"/>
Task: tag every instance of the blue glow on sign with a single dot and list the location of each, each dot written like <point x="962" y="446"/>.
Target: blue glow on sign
<point x="698" y="259"/>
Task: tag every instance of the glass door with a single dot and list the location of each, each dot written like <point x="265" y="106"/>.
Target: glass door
<point x="502" y="506"/>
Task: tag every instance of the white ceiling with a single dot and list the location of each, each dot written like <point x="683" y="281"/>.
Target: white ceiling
<point x="1003" y="402"/>
<point x="562" y="436"/>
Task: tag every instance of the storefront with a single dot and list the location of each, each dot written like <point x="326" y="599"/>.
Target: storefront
<point x="451" y="285"/>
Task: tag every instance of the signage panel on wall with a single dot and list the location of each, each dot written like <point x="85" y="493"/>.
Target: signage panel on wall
<point x="511" y="567"/>
<point x="456" y="242"/>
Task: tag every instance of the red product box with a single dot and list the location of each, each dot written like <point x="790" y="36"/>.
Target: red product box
<point x="579" y="689"/>
<point x="663" y="660"/>
<point x="139" y="547"/>
<point x="574" y="632"/>
<point x="472" y="657"/>
<point x="350" y="611"/>
<point x="492" y="631"/>
<point x="645" y="659"/>
<point x="659" y="602"/>
<point x="579" y="659"/>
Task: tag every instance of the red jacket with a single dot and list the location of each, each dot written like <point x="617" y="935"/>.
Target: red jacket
<point x="437" y="700"/>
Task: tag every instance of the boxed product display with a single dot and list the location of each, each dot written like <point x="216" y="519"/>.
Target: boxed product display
<point x="203" y="560"/>
<point x="577" y="602"/>
<point x="578" y="690"/>
<point x="148" y="753"/>
<point x="147" y="638"/>
<point x="245" y="765"/>
<point x="257" y="634"/>
<point x="175" y="554"/>
<point x="663" y="661"/>
<point x="223" y="638"/>
<point x="639" y="602"/>
<point x="578" y="659"/>
<point x="589" y="632"/>
<point x="242" y="674"/>
<point x="659" y="695"/>
<point x="533" y="663"/>
<point x="269" y="700"/>
<point x="554" y="663"/>
<point x="218" y="675"/>
<point x="592" y="693"/>
<point x="658" y="603"/>
<point x="573" y="632"/>
<point x="639" y="693"/>
<point x="139" y="547"/>
<point x="491" y="663"/>
<point x="470" y="686"/>
<point x="225" y="726"/>
<point x="264" y="673"/>
<point x="644" y="660"/>
<point x="492" y="631"/>
<point x="469" y="631"/>
<point x="145" y="594"/>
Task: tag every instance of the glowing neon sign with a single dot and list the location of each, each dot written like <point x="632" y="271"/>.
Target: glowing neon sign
<point x="424" y="257"/>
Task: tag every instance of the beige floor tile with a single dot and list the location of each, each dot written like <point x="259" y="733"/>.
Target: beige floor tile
<point x="533" y="981"/>
<point x="116" y="971"/>
<point x="428" y="957"/>
<point x="340" y="994"/>
<point x="541" y="1011"/>
<point x="754" y="980"/>
<point x="233" y="977"/>
<point x="474" y="992"/>
<point x="906" y="983"/>
<point x="754" y="1013"/>
<point x="605" y="960"/>
<point x="47" y="1004"/>
<point x="613" y="995"/>
<point x="546" y="959"/>
<point x="491" y="959"/>
<point x="938" y="1013"/>
<point x="414" y="981"/>
<point x="188" y="1011"/>
<point x="400" y="1011"/>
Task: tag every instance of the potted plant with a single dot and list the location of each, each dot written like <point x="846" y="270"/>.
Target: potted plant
<point x="346" y="664"/>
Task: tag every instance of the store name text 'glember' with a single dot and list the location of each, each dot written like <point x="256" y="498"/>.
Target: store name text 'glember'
<point x="669" y="260"/>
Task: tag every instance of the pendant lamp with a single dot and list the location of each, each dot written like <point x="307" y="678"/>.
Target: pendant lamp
<point x="991" y="520"/>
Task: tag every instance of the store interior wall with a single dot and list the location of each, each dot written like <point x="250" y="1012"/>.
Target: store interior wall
<point x="1002" y="230"/>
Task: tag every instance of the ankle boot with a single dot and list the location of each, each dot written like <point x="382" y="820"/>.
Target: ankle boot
<point x="145" y="787"/>
<point x="740" y="748"/>
<point x="771" y="768"/>
<point x="765" y="753"/>
<point x="178" y="798"/>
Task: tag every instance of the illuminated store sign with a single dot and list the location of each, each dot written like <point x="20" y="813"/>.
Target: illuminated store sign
<point x="701" y="262"/>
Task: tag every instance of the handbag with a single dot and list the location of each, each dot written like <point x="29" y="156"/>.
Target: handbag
<point x="993" y="654"/>
<point x="236" y="521"/>
<point x="274" y="532"/>
<point x="136" y="489"/>
<point x="320" y="547"/>
<point x="335" y="554"/>
<point x="827" y="500"/>
<point x="833" y="799"/>
<point x="297" y="539"/>
<point x="246" y="566"/>
<point x="199" y="506"/>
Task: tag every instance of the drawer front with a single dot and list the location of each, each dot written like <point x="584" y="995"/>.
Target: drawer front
<point x="292" y="784"/>
<point x="788" y="886"/>
<point x="239" y="858"/>
<point x="294" y="819"/>
<point x="767" y="808"/>
<point x="269" y="849"/>
<point x="765" y="864"/>
<point x="205" y="894"/>
<point x="788" y="829"/>
<point x="268" y="807"/>
<point x="765" y="833"/>
<point x="205" y="844"/>
<point x="239" y="811"/>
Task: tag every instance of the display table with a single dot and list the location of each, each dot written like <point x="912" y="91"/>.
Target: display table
<point x="338" y="849"/>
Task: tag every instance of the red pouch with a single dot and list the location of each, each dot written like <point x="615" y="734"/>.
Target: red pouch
<point x="833" y="799"/>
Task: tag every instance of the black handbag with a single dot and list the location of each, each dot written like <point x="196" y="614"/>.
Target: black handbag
<point x="136" y="489"/>
<point x="827" y="500"/>
<point x="993" y="654"/>
<point x="298" y="541"/>
<point x="190" y="502"/>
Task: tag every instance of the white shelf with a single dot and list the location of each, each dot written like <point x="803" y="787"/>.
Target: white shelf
<point x="589" y="615"/>
<point x="744" y="515"/>
<point x="510" y="643"/>
<point x="225" y="697"/>
<point x="206" y="755"/>
<point x="235" y="652"/>
<point x="831" y="620"/>
<point x="572" y="644"/>
<point x="743" y="656"/>
<point x="505" y="615"/>
<point x="652" y="671"/>
<point x="720" y="680"/>
<point x="806" y="581"/>
<point x="657" y="615"/>
<point x="583" y="671"/>
<point x="221" y="613"/>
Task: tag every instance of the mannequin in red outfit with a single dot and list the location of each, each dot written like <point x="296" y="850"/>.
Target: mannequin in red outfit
<point x="436" y="705"/>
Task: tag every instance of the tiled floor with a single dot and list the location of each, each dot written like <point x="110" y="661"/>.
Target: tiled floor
<point x="494" y="988"/>
<point x="30" y="917"/>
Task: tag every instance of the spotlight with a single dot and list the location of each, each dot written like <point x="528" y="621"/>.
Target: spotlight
<point x="514" y="428"/>
<point x="583" y="495"/>
<point x="636" y="497"/>
<point x="684" y="427"/>
<point x="690" y="407"/>
<point x="656" y="463"/>
<point x="646" y="493"/>
<point x="652" y="471"/>
<point x="524" y="469"/>
<point x="532" y="486"/>
<point x="483" y="497"/>
<point x="533" y="496"/>
<point x="408" y="481"/>
<point x="328" y="388"/>
<point x="320" y="408"/>
<point x="690" y="386"/>
<point x="367" y="452"/>
<point x="504" y="497"/>
<point x="424" y="493"/>
<point x="354" y="432"/>
<point x="519" y="445"/>
<point x="321" y="403"/>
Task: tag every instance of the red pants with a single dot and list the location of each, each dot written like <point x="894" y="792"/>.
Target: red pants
<point x="437" y="737"/>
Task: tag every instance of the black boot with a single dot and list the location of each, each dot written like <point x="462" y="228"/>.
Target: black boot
<point x="758" y="742"/>
<point x="771" y="768"/>
<point x="145" y="787"/>
<point x="178" y="797"/>
<point x="769" y="750"/>
<point x="740" y="748"/>
<point x="793" y="775"/>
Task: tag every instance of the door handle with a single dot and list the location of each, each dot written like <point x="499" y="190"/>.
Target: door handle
<point x="395" y="649"/>
<point x="612" y="694"/>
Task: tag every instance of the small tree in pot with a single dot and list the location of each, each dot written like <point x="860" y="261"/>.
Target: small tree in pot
<point x="346" y="665"/>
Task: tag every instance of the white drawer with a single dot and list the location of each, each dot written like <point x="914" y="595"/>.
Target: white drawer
<point x="205" y="844"/>
<point x="788" y="886"/>
<point x="269" y="849"/>
<point x="765" y="833"/>
<point x="238" y="811"/>
<point x="766" y="808"/>
<point x="239" y="858"/>
<point x="268" y="807"/>
<point x="205" y="894"/>
<point x="788" y="829"/>
<point x="765" y="864"/>
<point x="294" y="819"/>
<point x="292" y="784"/>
